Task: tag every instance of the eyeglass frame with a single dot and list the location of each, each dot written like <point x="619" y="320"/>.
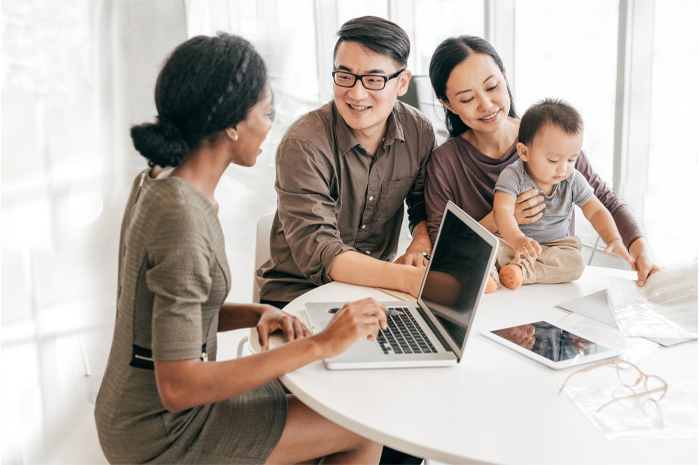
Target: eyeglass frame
<point x="362" y="76"/>
<point x="642" y="376"/>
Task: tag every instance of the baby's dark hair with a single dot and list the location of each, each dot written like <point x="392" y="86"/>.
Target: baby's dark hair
<point x="377" y="34"/>
<point x="207" y="84"/>
<point x="549" y="111"/>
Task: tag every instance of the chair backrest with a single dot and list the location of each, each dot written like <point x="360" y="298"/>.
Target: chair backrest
<point x="262" y="249"/>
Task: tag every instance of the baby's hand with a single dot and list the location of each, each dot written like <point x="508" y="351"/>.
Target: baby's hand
<point x="530" y="248"/>
<point x="618" y="248"/>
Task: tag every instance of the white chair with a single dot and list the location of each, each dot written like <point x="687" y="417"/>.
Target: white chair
<point x="262" y="254"/>
<point x="262" y="249"/>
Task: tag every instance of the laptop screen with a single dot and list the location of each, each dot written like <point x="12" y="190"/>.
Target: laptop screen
<point x="459" y="262"/>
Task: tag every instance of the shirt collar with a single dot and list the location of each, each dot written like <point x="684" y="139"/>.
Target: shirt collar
<point x="347" y="140"/>
<point x="394" y="129"/>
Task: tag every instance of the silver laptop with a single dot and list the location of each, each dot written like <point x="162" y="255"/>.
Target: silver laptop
<point x="432" y="332"/>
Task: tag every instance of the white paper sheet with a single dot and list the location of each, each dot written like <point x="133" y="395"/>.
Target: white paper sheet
<point x="667" y="306"/>
<point x="632" y="349"/>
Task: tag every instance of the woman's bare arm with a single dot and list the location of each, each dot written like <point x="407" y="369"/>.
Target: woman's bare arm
<point x="184" y="384"/>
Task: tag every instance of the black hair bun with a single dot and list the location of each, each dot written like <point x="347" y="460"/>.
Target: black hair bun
<point x="161" y="144"/>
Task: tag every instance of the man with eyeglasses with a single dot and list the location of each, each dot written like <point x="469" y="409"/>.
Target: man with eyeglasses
<point x="344" y="172"/>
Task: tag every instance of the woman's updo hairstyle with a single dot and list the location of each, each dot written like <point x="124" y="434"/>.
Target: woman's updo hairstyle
<point x="208" y="84"/>
<point x="450" y="53"/>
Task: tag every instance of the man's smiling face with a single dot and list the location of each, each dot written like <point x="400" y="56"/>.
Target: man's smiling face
<point x="367" y="110"/>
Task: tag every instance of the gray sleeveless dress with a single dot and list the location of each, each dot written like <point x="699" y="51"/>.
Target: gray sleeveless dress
<point x="173" y="279"/>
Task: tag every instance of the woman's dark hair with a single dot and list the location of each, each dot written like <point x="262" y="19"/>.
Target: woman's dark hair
<point x="207" y="84"/>
<point x="450" y="53"/>
<point x="377" y="34"/>
<point x="549" y="111"/>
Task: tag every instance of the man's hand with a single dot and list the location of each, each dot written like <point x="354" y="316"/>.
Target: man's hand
<point x="526" y="246"/>
<point x="416" y="259"/>
<point x="419" y="245"/>
<point x="272" y="319"/>
<point x="412" y="279"/>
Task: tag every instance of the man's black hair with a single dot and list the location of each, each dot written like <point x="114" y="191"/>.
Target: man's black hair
<point x="377" y="34"/>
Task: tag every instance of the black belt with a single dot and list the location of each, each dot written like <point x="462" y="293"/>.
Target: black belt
<point x="143" y="358"/>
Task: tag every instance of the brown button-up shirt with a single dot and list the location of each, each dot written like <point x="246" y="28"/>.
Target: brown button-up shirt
<point x="334" y="196"/>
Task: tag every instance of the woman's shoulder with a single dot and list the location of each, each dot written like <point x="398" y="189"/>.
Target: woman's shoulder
<point x="177" y="200"/>
<point x="448" y="150"/>
<point x="458" y="150"/>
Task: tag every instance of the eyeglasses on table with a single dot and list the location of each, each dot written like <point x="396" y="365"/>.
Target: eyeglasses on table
<point x="630" y="376"/>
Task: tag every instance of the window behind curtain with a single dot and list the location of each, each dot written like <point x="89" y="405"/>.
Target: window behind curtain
<point x="568" y="50"/>
<point x="671" y="202"/>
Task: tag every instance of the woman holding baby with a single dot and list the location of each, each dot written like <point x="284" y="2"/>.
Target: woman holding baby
<point x="469" y="79"/>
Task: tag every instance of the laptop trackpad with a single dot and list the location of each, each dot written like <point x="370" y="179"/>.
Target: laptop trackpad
<point x="362" y="348"/>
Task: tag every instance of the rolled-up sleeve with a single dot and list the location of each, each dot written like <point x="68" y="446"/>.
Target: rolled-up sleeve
<point x="416" y="197"/>
<point x="625" y="220"/>
<point x="307" y="210"/>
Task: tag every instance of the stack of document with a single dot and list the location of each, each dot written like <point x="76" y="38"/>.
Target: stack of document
<point x="666" y="307"/>
<point x="661" y="287"/>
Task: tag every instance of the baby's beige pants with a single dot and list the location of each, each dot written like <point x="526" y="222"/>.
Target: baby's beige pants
<point x="561" y="261"/>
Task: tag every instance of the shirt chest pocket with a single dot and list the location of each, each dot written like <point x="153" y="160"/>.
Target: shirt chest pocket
<point x="392" y="196"/>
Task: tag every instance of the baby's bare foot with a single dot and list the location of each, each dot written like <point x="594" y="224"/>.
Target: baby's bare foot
<point x="511" y="276"/>
<point x="491" y="286"/>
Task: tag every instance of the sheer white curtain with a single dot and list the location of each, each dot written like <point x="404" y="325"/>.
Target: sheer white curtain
<point x="75" y="75"/>
<point x="132" y="40"/>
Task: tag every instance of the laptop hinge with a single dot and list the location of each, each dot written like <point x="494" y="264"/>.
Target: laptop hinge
<point x="434" y="329"/>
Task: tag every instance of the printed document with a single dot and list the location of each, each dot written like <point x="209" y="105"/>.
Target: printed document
<point x="667" y="306"/>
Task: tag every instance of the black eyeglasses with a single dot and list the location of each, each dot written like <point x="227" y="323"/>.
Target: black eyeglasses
<point x="369" y="81"/>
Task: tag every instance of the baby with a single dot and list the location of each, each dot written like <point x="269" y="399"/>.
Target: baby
<point x="550" y="139"/>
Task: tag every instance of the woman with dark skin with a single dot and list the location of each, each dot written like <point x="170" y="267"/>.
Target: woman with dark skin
<point x="469" y="79"/>
<point x="161" y="401"/>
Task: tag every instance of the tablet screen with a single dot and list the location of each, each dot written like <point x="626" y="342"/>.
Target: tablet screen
<point x="549" y="341"/>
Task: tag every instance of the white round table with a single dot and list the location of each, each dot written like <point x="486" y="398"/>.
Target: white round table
<point x="495" y="406"/>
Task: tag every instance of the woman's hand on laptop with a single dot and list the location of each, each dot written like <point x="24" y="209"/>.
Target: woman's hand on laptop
<point x="273" y="319"/>
<point x="352" y="322"/>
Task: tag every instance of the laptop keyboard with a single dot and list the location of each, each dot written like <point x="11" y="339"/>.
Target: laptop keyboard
<point x="403" y="335"/>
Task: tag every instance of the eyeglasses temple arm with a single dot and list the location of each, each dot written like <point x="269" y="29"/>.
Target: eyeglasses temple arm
<point x="583" y="370"/>
<point x="632" y="397"/>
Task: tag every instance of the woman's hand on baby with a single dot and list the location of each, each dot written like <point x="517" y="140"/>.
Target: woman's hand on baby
<point x="617" y="247"/>
<point x="352" y="322"/>
<point x="525" y="210"/>
<point x="527" y="247"/>
<point x="273" y="319"/>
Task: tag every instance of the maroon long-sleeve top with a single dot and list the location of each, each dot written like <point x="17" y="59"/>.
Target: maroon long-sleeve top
<point x="459" y="172"/>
